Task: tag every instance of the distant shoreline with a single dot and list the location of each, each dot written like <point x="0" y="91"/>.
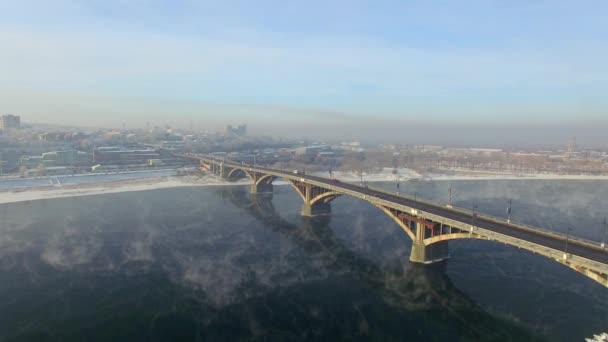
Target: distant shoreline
<point x="77" y="190"/>
<point x="17" y="195"/>
<point x="404" y="174"/>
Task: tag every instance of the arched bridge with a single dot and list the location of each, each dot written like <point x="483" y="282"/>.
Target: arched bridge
<point x="430" y="225"/>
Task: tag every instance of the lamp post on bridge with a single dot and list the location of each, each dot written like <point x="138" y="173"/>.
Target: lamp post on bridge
<point x="361" y="174"/>
<point x="473" y="219"/>
<point x="450" y="196"/>
<point x="605" y="233"/>
<point x="397" y="179"/>
<point x="567" y="238"/>
<point x="509" y="212"/>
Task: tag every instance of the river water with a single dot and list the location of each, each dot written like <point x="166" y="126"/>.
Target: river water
<point x="216" y="264"/>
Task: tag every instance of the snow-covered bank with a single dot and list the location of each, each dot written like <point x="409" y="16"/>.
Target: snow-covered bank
<point x="107" y="185"/>
<point x="539" y="176"/>
<point x="38" y="193"/>
<point x="8" y="183"/>
<point x="386" y="175"/>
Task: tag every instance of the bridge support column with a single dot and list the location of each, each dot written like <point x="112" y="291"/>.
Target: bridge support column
<point x="262" y="184"/>
<point x="217" y="170"/>
<point x="224" y="171"/>
<point x="427" y="254"/>
<point x="310" y="208"/>
<point x="261" y="188"/>
<point x="315" y="209"/>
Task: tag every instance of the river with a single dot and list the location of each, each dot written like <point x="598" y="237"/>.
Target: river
<point x="216" y="264"/>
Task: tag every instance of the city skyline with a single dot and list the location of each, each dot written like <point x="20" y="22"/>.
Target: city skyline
<point x="478" y="63"/>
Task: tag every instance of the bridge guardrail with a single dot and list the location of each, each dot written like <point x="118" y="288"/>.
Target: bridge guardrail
<point x="443" y="206"/>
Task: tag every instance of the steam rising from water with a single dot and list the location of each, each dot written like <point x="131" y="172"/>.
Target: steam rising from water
<point x="229" y="247"/>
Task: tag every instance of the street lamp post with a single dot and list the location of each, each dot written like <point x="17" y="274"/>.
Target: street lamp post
<point x="361" y="174"/>
<point x="450" y="196"/>
<point x="474" y="214"/>
<point x="397" y="185"/>
<point x="567" y="238"/>
<point x="509" y="212"/>
<point x="605" y="233"/>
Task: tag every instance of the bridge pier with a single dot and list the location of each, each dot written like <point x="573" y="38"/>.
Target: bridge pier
<point x="224" y="171"/>
<point x="261" y="188"/>
<point x="429" y="254"/>
<point x="218" y="170"/>
<point x="316" y="209"/>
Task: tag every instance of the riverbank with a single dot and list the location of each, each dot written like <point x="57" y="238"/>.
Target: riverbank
<point x="75" y="190"/>
<point x="108" y="184"/>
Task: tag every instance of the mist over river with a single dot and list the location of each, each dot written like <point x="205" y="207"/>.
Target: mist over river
<point x="218" y="264"/>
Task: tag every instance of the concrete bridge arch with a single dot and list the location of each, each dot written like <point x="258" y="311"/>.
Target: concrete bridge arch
<point x="429" y="225"/>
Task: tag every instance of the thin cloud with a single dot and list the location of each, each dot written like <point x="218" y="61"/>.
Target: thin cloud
<point x="370" y="62"/>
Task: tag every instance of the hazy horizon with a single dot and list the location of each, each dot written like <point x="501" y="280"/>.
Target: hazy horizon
<point x="483" y="135"/>
<point x="317" y="69"/>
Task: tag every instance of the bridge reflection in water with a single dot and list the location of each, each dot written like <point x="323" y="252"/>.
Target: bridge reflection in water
<point x="429" y="225"/>
<point x="423" y="295"/>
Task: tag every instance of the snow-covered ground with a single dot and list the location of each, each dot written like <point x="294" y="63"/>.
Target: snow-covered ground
<point x="87" y="178"/>
<point x="29" y="189"/>
<point x="498" y="176"/>
<point x="124" y="185"/>
<point x="386" y="175"/>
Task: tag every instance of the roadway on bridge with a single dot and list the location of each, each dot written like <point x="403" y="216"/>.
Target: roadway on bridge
<point x="595" y="254"/>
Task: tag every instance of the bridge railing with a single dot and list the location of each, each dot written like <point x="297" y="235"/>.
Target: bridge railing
<point x="510" y="223"/>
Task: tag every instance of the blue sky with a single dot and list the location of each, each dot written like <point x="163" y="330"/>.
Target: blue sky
<point x="476" y="62"/>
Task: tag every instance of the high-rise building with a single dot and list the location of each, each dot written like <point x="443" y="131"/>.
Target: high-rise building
<point x="9" y="121"/>
<point x="239" y="131"/>
<point x="242" y="130"/>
